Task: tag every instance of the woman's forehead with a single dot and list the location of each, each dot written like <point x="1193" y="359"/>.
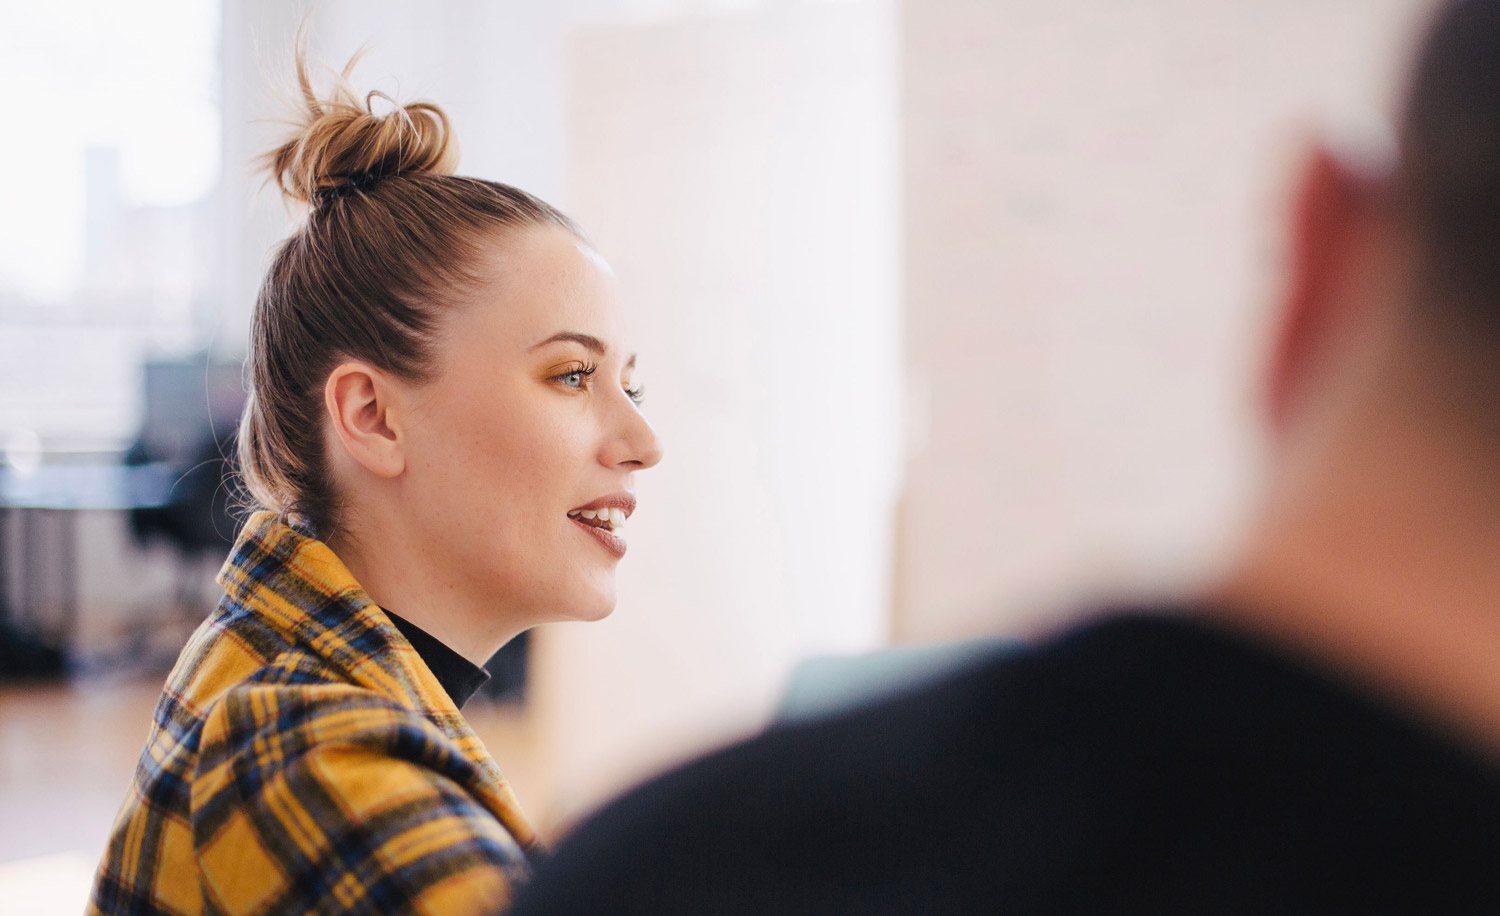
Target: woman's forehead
<point x="549" y="290"/>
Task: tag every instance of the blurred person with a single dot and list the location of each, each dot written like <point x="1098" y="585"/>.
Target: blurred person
<point x="1319" y="732"/>
<point x="441" y="436"/>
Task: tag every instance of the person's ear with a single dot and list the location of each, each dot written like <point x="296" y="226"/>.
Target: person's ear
<point x="363" y="408"/>
<point x="1330" y="205"/>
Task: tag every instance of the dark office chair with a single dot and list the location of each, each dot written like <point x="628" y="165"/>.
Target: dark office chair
<point x="192" y="406"/>
<point x="197" y="518"/>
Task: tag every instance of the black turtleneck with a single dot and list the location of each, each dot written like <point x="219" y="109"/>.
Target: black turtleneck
<point x="459" y="677"/>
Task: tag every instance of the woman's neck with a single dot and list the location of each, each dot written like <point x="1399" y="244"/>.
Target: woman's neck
<point x="1383" y="559"/>
<point x="398" y="573"/>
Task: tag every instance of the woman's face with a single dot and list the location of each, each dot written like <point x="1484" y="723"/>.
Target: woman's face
<point x="529" y="426"/>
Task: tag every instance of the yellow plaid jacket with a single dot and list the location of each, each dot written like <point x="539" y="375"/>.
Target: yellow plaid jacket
<point x="303" y="759"/>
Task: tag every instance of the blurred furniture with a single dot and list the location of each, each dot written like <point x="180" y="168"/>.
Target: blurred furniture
<point x="40" y="507"/>
<point x="172" y="481"/>
<point x="196" y="517"/>
<point x="192" y="411"/>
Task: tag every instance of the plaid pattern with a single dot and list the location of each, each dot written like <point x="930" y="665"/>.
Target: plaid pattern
<point x="303" y="759"/>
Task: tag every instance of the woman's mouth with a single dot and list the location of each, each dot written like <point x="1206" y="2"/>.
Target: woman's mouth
<point x="604" y="526"/>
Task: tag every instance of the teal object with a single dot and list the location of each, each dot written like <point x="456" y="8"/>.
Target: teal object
<point x="830" y="684"/>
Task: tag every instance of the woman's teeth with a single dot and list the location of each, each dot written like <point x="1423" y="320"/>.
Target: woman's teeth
<point x="613" y="519"/>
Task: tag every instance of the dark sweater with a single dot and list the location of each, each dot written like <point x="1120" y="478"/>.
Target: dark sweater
<point x="1141" y="764"/>
<point x="459" y="677"/>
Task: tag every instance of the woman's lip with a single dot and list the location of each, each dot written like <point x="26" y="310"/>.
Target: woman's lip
<point x="625" y="502"/>
<point x="610" y="542"/>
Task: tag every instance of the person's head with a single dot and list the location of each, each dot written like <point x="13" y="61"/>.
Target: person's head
<point x="1375" y="550"/>
<point x="438" y="368"/>
<point x="1403" y="253"/>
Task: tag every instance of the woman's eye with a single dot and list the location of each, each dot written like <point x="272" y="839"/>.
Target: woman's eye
<point x="577" y="379"/>
<point x="636" y="394"/>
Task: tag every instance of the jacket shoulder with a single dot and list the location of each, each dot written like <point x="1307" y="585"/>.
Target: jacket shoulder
<point x="308" y="790"/>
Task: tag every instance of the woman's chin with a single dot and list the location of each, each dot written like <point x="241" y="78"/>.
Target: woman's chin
<point x="596" y="611"/>
<point x="595" y="604"/>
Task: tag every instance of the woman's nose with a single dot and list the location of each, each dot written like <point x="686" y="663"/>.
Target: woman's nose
<point x="636" y="446"/>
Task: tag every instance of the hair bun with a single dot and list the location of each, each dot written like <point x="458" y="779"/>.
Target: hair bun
<point x="340" y="143"/>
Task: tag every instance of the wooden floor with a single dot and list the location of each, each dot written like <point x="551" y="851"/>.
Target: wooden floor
<point x="67" y="753"/>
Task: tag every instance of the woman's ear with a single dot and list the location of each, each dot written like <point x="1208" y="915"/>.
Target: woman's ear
<point x="363" y="408"/>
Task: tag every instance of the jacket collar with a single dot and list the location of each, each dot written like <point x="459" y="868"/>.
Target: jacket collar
<point x="297" y="585"/>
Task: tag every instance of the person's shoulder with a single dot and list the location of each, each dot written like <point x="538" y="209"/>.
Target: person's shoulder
<point x="1116" y="667"/>
<point x="279" y="702"/>
<point x="1144" y="686"/>
<point x="1147" y="748"/>
<point x="970" y="713"/>
<point x="1098" y="681"/>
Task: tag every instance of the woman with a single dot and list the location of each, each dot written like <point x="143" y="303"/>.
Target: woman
<point x="442" y="434"/>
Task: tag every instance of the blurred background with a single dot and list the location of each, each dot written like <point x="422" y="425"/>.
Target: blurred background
<point x="950" y="313"/>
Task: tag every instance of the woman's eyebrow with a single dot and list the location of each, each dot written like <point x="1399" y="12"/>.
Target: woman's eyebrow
<point x="588" y="340"/>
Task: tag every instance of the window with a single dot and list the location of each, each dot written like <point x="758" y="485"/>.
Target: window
<point x="110" y="243"/>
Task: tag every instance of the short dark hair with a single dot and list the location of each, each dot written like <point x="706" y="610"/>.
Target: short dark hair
<point x="1450" y="166"/>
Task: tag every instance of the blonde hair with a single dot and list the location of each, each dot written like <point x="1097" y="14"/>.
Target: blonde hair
<point x="392" y="241"/>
